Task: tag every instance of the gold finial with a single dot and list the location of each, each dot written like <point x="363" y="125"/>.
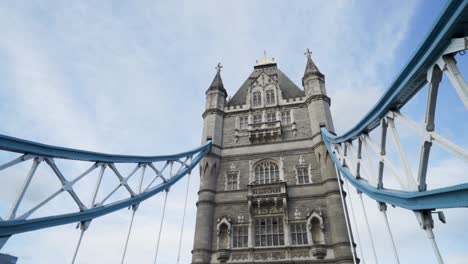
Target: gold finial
<point x="218" y="67"/>
<point x="308" y="53"/>
<point x="265" y="60"/>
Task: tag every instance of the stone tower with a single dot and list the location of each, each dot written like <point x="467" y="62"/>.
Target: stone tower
<point x="268" y="189"/>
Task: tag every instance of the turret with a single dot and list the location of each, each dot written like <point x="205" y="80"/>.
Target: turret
<point x="214" y="110"/>
<point x="213" y="119"/>
<point x="318" y="104"/>
<point x="317" y="101"/>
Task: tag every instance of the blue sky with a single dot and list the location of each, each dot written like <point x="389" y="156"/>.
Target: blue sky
<point x="130" y="77"/>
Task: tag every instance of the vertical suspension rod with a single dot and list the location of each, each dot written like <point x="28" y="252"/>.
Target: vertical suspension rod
<point x="183" y="218"/>
<point x="348" y="227"/>
<point x="160" y="227"/>
<point x="383" y="209"/>
<point x="431" y="237"/>
<point x="355" y="223"/>
<point x="368" y="228"/>
<point x="134" y="209"/>
<point x="84" y="225"/>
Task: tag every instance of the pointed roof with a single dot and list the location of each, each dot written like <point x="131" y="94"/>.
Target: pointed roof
<point x="217" y="83"/>
<point x="311" y="68"/>
<point x="287" y="87"/>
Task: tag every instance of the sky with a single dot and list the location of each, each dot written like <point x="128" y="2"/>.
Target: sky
<point x="130" y="77"/>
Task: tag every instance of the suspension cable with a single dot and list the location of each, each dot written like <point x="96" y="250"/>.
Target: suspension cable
<point x="355" y="223"/>
<point x="431" y="237"/>
<point x="84" y="224"/>
<point x="183" y="218"/>
<point x="160" y="227"/>
<point x="368" y="228"/>
<point x="78" y="245"/>
<point x="383" y="209"/>
<point x="134" y="209"/>
<point x="348" y="227"/>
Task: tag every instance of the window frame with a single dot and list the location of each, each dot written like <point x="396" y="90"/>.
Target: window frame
<point x="270" y="97"/>
<point x="297" y="234"/>
<point x="266" y="168"/>
<point x="228" y="183"/>
<point x="268" y="233"/>
<point x="240" y="239"/>
<point x="286" y="117"/>
<point x="257" y="98"/>
<point x="243" y="122"/>
<point x="305" y="177"/>
<point x="271" y="117"/>
<point x="257" y="119"/>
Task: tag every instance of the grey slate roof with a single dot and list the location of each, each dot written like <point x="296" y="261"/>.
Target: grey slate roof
<point x="287" y="87"/>
<point x="217" y="83"/>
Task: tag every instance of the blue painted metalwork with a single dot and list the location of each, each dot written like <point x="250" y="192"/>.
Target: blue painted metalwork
<point x="12" y="227"/>
<point x="447" y="197"/>
<point x="452" y="23"/>
<point x="38" y="149"/>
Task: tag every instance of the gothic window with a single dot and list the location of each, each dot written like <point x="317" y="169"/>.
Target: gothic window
<point x="286" y="118"/>
<point x="231" y="181"/>
<point x="243" y="122"/>
<point x="299" y="234"/>
<point x="269" y="232"/>
<point x="270" y="97"/>
<point x="257" y="98"/>
<point x="257" y="119"/>
<point x="240" y="236"/>
<point x="302" y="175"/>
<point x="266" y="172"/>
<point x="271" y="117"/>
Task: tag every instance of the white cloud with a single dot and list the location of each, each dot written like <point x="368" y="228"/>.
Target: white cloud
<point x="120" y="77"/>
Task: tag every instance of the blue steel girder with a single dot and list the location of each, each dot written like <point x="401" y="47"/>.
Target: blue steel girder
<point x="447" y="197"/>
<point x="452" y="23"/>
<point x="15" y="226"/>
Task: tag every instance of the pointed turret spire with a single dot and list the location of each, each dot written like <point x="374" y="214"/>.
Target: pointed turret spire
<point x="311" y="69"/>
<point x="217" y="83"/>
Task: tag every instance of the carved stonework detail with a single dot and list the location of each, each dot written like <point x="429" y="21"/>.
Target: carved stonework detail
<point x="300" y="254"/>
<point x="270" y="255"/>
<point x="240" y="219"/>
<point x="239" y="256"/>
<point x="266" y="190"/>
<point x="319" y="251"/>
<point x="232" y="167"/>
<point x="297" y="214"/>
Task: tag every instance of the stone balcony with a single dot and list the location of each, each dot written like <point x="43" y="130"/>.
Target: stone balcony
<point x="269" y="190"/>
<point x="267" y="198"/>
<point x="265" y="131"/>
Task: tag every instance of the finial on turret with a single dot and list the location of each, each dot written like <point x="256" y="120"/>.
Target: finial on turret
<point x="218" y="67"/>
<point x="217" y="83"/>
<point x="265" y="60"/>
<point x="311" y="69"/>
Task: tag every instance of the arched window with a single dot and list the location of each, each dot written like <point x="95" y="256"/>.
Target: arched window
<point x="266" y="172"/>
<point x="270" y="97"/>
<point x="257" y="98"/>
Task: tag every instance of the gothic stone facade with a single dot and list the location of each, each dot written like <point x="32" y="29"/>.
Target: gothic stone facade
<point x="268" y="191"/>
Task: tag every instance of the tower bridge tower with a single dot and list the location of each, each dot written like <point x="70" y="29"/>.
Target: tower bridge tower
<point x="268" y="189"/>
